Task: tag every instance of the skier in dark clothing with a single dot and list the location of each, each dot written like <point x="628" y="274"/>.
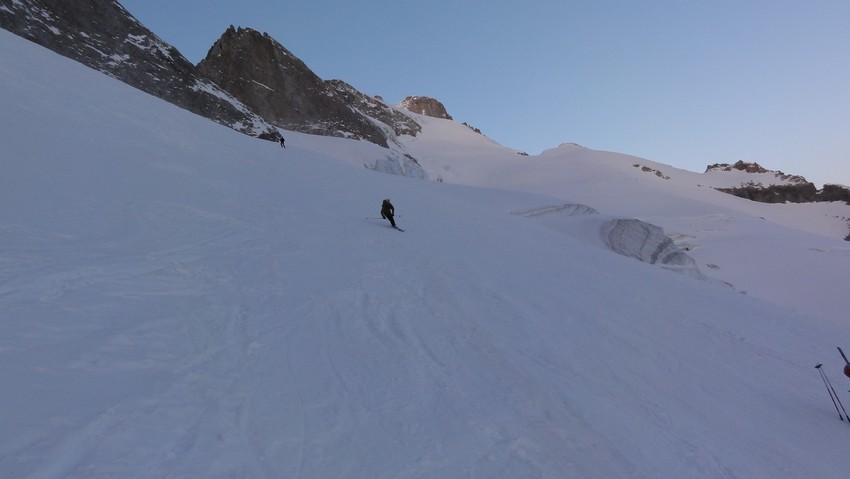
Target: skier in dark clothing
<point x="282" y="141"/>
<point x="387" y="211"/>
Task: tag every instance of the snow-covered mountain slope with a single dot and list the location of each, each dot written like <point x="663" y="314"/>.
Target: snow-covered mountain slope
<point x="180" y="300"/>
<point x="758" y="248"/>
<point x="103" y="35"/>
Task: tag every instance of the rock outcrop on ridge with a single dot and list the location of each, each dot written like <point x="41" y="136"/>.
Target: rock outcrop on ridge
<point x="102" y="35"/>
<point x="756" y="168"/>
<point x="376" y="108"/>
<point x="424" y="105"/>
<point x="791" y="189"/>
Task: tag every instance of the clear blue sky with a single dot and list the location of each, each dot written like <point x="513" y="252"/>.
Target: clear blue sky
<point x="682" y="82"/>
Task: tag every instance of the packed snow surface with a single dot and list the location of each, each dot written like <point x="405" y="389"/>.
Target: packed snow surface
<point x="179" y="300"/>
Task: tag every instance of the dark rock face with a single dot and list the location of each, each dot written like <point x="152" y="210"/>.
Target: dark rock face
<point x="376" y="108"/>
<point x="103" y="35"/>
<point x="425" y="106"/>
<point x="835" y="193"/>
<point x="270" y="80"/>
<point x="799" y="193"/>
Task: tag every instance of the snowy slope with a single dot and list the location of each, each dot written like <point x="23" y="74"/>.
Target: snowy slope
<point x="760" y="249"/>
<point x="180" y="300"/>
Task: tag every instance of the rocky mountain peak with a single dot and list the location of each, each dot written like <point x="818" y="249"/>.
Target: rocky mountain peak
<point x="424" y="105"/>
<point x="261" y="73"/>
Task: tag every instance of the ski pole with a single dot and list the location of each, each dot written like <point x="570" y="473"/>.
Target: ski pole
<point x="823" y="377"/>
<point x="846" y="363"/>
<point x="836" y="395"/>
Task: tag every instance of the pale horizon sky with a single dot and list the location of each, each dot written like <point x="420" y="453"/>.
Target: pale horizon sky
<point x="682" y="83"/>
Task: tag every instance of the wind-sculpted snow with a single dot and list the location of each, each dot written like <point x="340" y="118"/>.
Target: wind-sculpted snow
<point x="397" y="163"/>
<point x="565" y="209"/>
<point x="647" y="243"/>
<point x="628" y="237"/>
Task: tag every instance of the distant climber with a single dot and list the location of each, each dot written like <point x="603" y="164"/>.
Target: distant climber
<point x="282" y="141"/>
<point x="388" y="211"/>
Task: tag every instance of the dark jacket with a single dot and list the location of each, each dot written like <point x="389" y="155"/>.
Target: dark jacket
<point x="387" y="209"/>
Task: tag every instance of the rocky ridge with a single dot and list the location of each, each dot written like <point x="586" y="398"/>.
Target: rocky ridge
<point x="755" y="168"/>
<point x="791" y="189"/>
<point x="376" y="109"/>
<point x="248" y="81"/>
<point x="104" y="36"/>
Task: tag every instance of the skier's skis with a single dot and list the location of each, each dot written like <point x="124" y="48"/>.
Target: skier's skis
<point x="393" y="227"/>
